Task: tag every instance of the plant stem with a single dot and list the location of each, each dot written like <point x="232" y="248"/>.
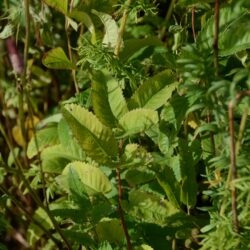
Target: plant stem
<point x="73" y="72"/>
<point x="6" y="3"/>
<point x="168" y="15"/>
<point x="241" y="129"/>
<point x="31" y="191"/>
<point x="29" y="216"/>
<point x="193" y="23"/>
<point x="233" y="166"/>
<point x="31" y="115"/>
<point x="124" y="226"/>
<point x="216" y="37"/>
<point x="122" y="29"/>
<point x="209" y="120"/>
<point x="22" y="85"/>
<point x="232" y="174"/>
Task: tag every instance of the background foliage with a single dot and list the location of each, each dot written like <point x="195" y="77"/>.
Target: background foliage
<point x="124" y="124"/>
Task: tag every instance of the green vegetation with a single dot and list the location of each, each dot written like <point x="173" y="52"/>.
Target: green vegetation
<point x="125" y="124"/>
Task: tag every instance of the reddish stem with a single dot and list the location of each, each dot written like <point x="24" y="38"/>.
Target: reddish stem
<point x="124" y="226"/>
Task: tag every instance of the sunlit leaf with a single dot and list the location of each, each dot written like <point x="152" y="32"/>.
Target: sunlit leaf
<point x="96" y="139"/>
<point x="138" y="120"/>
<point x="155" y="92"/>
<point x="111" y="29"/>
<point x="44" y="138"/>
<point x="57" y="59"/>
<point x="92" y="177"/>
<point x="84" y="18"/>
<point x="60" y="5"/>
<point x="100" y="99"/>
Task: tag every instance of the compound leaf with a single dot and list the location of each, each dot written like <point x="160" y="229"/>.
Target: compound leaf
<point x="155" y="92"/>
<point x="96" y="139"/>
<point x="138" y="120"/>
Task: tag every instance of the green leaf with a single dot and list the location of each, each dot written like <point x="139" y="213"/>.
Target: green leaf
<point x="149" y="207"/>
<point x="92" y="177"/>
<point x="45" y="138"/>
<point x="60" y="5"/>
<point x="105" y="230"/>
<point x="170" y="185"/>
<point x="139" y="176"/>
<point x="240" y="40"/>
<point x="100" y="99"/>
<point x="188" y="174"/>
<point x="105" y="246"/>
<point x="72" y="184"/>
<point x="57" y="59"/>
<point x="138" y="120"/>
<point x="144" y="247"/>
<point x="175" y="110"/>
<point x="117" y="101"/>
<point x="111" y="29"/>
<point x="34" y="232"/>
<point x="155" y="92"/>
<point x="7" y="31"/>
<point x="83" y="17"/>
<point x="234" y="34"/>
<point x="135" y="156"/>
<point x="66" y="209"/>
<point x="96" y="139"/>
<point x="133" y="45"/>
<point x="55" y="158"/>
<point x="78" y="236"/>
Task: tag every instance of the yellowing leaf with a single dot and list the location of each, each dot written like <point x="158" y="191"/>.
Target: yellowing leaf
<point x="60" y="5"/>
<point x="138" y="120"/>
<point x="91" y="176"/>
<point x="17" y="133"/>
<point x="192" y="121"/>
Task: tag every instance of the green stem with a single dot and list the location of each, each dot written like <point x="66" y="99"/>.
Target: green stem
<point x="31" y="191"/>
<point x="193" y="23"/>
<point x="233" y="166"/>
<point x="216" y="37"/>
<point x="73" y="72"/>
<point x="31" y="116"/>
<point x="120" y="210"/>
<point x="241" y="129"/>
<point x="168" y="15"/>
<point x="6" y="3"/>
<point x="28" y="215"/>
<point x="21" y="87"/>
<point x="232" y="173"/>
<point x="122" y="29"/>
